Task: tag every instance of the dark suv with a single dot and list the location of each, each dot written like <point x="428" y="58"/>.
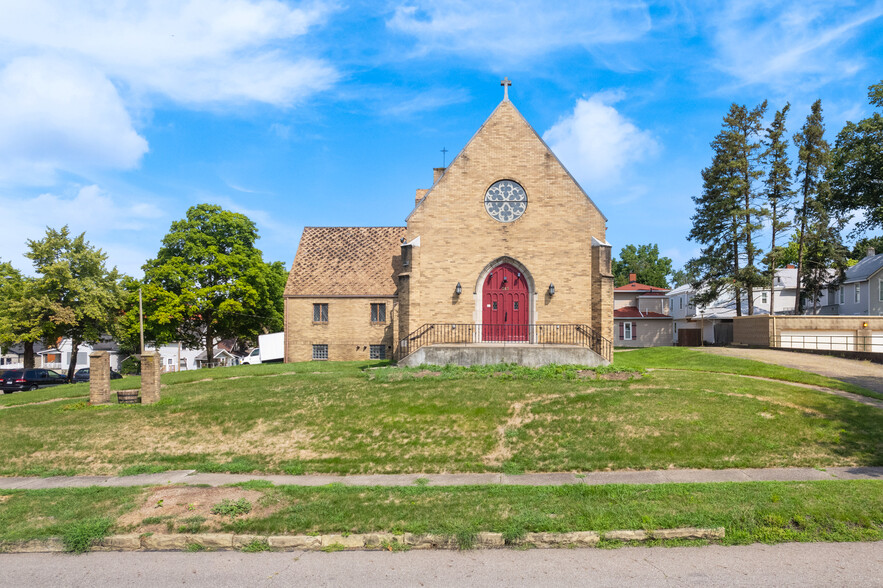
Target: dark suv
<point x="19" y="380"/>
<point x="82" y="375"/>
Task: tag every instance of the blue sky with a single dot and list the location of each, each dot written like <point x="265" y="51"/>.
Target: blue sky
<point x="115" y="117"/>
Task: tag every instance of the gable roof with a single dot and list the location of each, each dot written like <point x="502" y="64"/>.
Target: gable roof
<point x="500" y="106"/>
<point x="346" y="261"/>
<point x="636" y="287"/>
<point x="634" y="312"/>
<point x="864" y="269"/>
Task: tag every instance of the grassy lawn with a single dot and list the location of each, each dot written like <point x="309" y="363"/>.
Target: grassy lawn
<point x="350" y="418"/>
<point x="683" y="358"/>
<point x="767" y="512"/>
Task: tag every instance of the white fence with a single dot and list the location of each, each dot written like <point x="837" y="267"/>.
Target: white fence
<point x="830" y="341"/>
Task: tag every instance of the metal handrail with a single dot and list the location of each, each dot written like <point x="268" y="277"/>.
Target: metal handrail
<point x="869" y="343"/>
<point x="537" y="334"/>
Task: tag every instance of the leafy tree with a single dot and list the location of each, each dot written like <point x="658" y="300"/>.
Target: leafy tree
<point x="85" y="299"/>
<point x="644" y="262"/>
<point x="23" y="311"/>
<point x="823" y="252"/>
<point x="811" y="215"/>
<point x="209" y="282"/>
<point x="860" y="249"/>
<point x="681" y="277"/>
<point x="856" y="171"/>
<point x="777" y="191"/>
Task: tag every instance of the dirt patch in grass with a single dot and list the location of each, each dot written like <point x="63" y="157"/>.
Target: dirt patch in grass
<point x="168" y="508"/>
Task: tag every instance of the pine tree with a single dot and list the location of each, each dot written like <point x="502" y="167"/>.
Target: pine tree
<point x="813" y="156"/>
<point x="714" y="226"/>
<point x="728" y="214"/>
<point x="777" y="191"/>
<point x="742" y="129"/>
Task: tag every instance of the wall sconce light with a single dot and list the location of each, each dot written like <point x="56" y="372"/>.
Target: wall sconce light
<point x="551" y="289"/>
<point x="458" y="290"/>
<point x="865" y="325"/>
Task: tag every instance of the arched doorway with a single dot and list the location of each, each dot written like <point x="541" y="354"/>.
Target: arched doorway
<point x="505" y="305"/>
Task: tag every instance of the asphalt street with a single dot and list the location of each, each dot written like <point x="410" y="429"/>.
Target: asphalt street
<point x="789" y="564"/>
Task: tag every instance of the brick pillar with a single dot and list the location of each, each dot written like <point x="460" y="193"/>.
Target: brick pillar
<point x="151" y="369"/>
<point x="99" y="377"/>
<point x="602" y="291"/>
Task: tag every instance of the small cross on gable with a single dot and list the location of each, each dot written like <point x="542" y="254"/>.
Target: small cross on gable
<point x="505" y="83"/>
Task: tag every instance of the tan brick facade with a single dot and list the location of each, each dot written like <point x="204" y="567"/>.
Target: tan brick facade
<point x="349" y="332"/>
<point x="451" y="239"/>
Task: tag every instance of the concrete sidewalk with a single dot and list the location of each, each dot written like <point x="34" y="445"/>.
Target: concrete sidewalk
<point x="554" y="479"/>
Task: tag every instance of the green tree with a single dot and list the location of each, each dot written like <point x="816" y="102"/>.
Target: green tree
<point x="23" y="311"/>
<point x="856" y="171"/>
<point x="645" y="263"/>
<point x="741" y="137"/>
<point x="860" y="249"/>
<point x="209" y="282"/>
<point x="811" y="213"/>
<point x="85" y="299"/>
<point x="716" y="228"/>
<point x="728" y="213"/>
<point x="777" y="191"/>
<point x="681" y="277"/>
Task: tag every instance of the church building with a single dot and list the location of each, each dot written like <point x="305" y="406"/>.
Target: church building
<point x="503" y="259"/>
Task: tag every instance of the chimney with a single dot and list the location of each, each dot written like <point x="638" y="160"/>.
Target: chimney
<point x="437" y="172"/>
<point x="871" y="252"/>
<point x="420" y="194"/>
<point x="790" y="266"/>
<point x="633" y="278"/>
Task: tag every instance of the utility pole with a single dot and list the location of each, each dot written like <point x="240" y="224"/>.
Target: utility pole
<point x="141" y="319"/>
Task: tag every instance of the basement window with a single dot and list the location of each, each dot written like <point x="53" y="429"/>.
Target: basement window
<point x="320" y="352"/>
<point x="378" y="352"/>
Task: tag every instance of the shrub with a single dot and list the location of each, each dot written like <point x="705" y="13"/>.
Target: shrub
<point x="131" y="366"/>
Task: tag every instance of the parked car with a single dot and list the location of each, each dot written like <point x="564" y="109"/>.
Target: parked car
<point x="82" y="375"/>
<point x="20" y="380"/>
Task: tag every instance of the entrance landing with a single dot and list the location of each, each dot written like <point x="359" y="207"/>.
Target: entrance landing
<point x="526" y="354"/>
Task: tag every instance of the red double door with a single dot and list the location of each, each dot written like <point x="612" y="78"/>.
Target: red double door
<point x="505" y="312"/>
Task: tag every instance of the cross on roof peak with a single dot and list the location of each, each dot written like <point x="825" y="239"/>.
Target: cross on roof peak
<point x="505" y="83"/>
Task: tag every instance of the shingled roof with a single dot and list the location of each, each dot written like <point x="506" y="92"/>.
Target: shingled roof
<point x="346" y="261"/>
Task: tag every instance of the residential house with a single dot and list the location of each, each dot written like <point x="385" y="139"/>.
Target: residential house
<point x="861" y="292"/>
<point x="641" y="315"/>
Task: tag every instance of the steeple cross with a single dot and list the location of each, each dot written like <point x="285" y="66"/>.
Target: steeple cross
<point x="505" y="83"/>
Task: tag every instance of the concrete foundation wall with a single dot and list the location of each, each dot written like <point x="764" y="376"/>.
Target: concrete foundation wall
<point x="526" y="354"/>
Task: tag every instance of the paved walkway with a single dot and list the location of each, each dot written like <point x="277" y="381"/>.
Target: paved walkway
<point x="555" y="479"/>
<point x="852" y="371"/>
<point x="789" y="564"/>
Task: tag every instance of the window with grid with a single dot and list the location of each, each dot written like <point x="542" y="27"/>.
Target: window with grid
<point x="320" y="313"/>
<point x="320" y="351"/>
<point x="378" y="352"/>
<point x="378" y="313"/>
<point x="858" y="293"/>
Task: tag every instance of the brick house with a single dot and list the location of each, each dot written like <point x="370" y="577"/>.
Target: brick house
<point x="504" y="257"/>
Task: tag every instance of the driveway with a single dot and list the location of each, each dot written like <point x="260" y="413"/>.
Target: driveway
<point x="861" y="373"/>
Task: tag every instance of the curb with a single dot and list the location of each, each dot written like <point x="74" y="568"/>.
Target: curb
<point x="366" y="541"/>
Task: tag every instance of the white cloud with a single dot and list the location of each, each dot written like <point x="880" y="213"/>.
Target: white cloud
<point x="196" y="51"/>
<point x="60" y="115"/>
<point x="72" y="72"/>
<point x="90" y="209"/>
<point x="597" y="143"/>
<point x="513" y="31"/>
<point x="780" y="44"/>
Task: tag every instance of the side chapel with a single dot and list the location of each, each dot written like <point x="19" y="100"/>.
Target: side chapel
<point x="504" y="258"/>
